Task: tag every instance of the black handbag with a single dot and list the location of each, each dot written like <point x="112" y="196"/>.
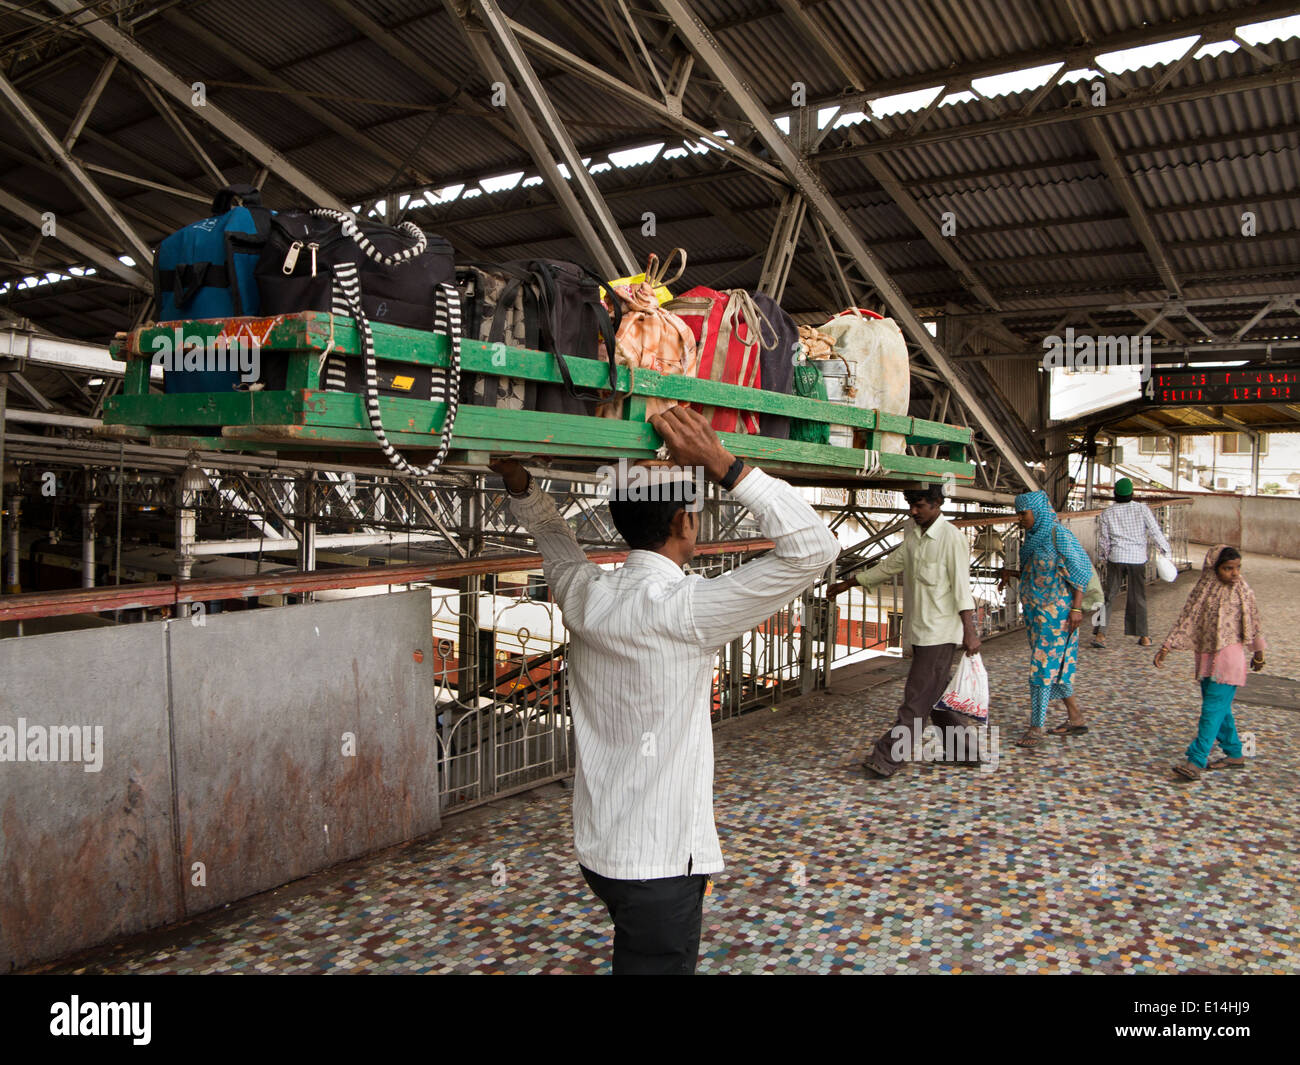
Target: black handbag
<point x="325" y="260"/>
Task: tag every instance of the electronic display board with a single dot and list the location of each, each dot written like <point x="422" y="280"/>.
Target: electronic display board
<point x="1261" y="384"/>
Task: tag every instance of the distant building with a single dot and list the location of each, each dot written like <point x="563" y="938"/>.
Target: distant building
<point x="1218" y="462"/>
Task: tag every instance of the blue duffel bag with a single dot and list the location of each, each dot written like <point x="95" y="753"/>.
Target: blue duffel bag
<point x="206" y="271"/>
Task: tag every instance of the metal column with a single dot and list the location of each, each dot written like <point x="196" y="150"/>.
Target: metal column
<point x="1091" y="447"/>
<point x="782" y="246"/>
<point x="470" y="588"/>
<point x="185" y="525"/>
<point x="12" y="585"/>
<point x="807" y="630"/>
<point x="307" y="542"/>
<point x="88" y="544"/>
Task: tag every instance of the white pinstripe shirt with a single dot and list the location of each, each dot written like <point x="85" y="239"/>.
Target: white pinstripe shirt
<point x="1122" y="531"/>
<point x="642" y="643"/>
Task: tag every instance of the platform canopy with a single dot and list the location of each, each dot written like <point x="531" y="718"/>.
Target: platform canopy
<point x="988" y="172"/>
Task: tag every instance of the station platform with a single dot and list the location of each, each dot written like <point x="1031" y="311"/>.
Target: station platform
<point x="1083" y="856"/>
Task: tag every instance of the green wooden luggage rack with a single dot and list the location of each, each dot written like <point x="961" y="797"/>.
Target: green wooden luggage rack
<point x="311" y="422"/>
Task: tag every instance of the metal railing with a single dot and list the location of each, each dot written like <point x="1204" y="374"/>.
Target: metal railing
<point x="505" y="724"/>
<point x="501" y="709"/>
<point x="772" y="661"/>
<point x="510" y="727"/>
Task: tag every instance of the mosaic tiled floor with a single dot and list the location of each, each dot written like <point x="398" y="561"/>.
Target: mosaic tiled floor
<point x="1084" y="856"/>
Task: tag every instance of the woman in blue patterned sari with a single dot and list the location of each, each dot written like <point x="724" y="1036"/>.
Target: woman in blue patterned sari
<point x="1054" y="571"/>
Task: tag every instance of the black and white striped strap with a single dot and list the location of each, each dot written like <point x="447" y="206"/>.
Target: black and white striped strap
<point x="347" y="301"/>
<point x="348" y="224"/>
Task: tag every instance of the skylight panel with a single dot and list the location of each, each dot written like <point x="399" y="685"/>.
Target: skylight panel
<point x="1146" y="55"/>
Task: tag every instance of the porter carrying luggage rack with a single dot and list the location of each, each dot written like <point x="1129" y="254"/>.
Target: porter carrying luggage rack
<point x="304" y="419"/>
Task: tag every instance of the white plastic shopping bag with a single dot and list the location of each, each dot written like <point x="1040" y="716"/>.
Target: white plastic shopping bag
<point x="968" y="692"/>
<point x="1165" y="567"/>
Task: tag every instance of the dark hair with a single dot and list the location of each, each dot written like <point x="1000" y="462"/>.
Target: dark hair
<point x="644" y="523"/>
<point x="1228" y="554"/>
<point x="931" y="493"/>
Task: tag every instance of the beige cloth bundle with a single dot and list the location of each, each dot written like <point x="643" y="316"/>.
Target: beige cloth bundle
<point x="816" y="344"/>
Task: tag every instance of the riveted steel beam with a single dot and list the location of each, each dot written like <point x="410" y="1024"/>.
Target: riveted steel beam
<point x="618" y="250"/>
<point x="702" y="42"/>
<point x="138" y="58"/>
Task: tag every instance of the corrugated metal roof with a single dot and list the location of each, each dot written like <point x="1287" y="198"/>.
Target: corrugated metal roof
<point x="1037" y="218"/>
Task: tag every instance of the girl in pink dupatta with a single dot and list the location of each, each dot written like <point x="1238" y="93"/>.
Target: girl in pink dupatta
<point x="1219" y="621"/>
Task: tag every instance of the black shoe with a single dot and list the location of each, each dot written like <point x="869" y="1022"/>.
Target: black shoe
<point x="872" y="773"/>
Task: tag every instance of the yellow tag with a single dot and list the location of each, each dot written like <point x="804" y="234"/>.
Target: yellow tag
<point x="708" y="886"/>
<point x="404" y="383"/>
<point x="662" y="294"/>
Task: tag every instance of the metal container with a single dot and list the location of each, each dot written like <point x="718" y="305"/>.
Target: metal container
<point x="839" y="383"/>
<point x="838" y="378"/>
<point x="841" y="436"/>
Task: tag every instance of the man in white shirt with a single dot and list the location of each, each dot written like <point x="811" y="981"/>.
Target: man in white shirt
<point x="1123" y="531"/>
<point x="642" y="645"/>
<point x="934" y="560"/>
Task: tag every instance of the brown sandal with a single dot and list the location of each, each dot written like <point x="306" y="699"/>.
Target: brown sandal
<point x="1067" y="728"/>
<point x="1032" y="739"/>
<point x="1227" y="763"/>
<point x="1187" y="771"/>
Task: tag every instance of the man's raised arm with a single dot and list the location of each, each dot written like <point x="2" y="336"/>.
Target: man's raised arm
<point x="564" y="563"/>
<point x="725" y="607"/>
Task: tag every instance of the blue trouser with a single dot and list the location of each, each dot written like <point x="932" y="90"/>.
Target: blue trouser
<point x="1216" y="723"/>
<point x="1042" y="694"/>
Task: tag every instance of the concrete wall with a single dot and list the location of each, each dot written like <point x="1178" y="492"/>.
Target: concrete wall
<point x="223" y="745"/>
<point x="1265" y="525"/>
<point x="85" y="856"/>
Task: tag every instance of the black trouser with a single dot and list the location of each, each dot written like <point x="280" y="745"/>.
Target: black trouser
<point x="656" y="922"/>
<point x="1135" y="604"/>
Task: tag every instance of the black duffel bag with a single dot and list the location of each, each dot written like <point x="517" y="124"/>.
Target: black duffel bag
<point x="324" y="260"/>
<point x="543" y="305"/>
<point x="399" y="282"/>
<point x="296" y="273"/>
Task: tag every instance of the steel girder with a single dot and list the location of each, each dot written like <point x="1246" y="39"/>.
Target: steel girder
<point x="496" y="22"/>
<point x="833" y="217"/>
<point x="606" y="243"/>
<point x="138" y="58"/>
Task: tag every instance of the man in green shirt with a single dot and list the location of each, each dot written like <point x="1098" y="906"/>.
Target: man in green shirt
<point x="934" y="560"/>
